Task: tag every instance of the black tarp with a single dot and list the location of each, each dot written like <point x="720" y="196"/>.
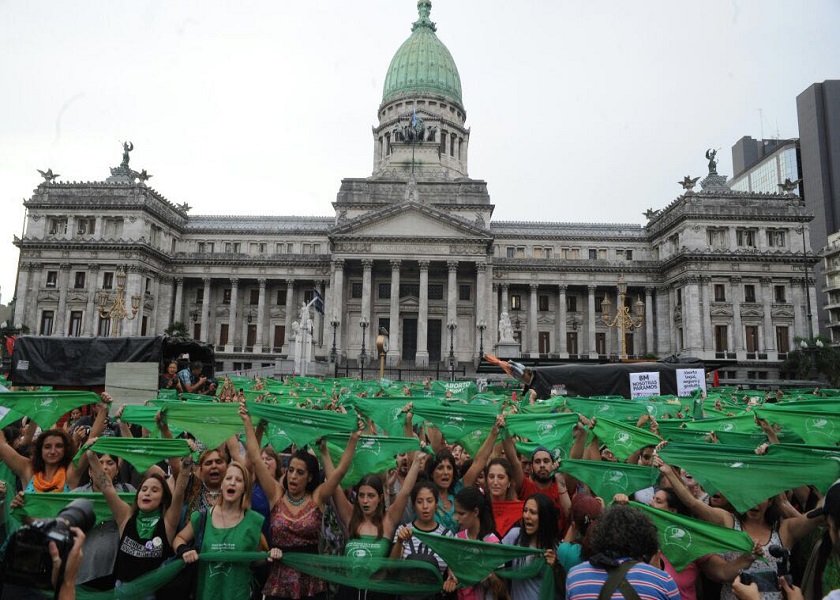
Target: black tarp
<point x="608" y="379"/>
<point x="80" y="362"/>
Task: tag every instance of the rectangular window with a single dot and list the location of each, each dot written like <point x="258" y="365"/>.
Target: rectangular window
<point x="779" y="294"/>
<point x="572" y="342"/>
<point x="515" y="251"/>
<point x="224" y="329"/>
<point x="384" y="290"/>
<point x="356" y="290"/>
<point x="544" y="253"/>
<point x="571" y="303"/>
<point x="749" y="293"/>
<point x="599" y="298"/>
<point x="75" y="327"/>
<point x="782" y="339"/>
<point x="542" y="302"/>
<point x="148" y="285"/>
<point x="103" y="328"/>
<point x="745" y="238"/>
<point x="601" y="343"/>
<point x="199" y="296"/>
<point x="52" y="279"/>
<point x="679" y="297"/>
<point x="107" y="280"/>
<point x="280" y="248"/>
<point x="79" y="280"/>
<point x="254" y="248"/>
<point x="409" y="290"/>
<point x="251" y="337"/>
<point x="307" y="248"/>
<point x="57" y="226"/>
<point x="464" y="292"/>
<point x="144" y="325"/>
<point x="232" y="247"/>
<point x="602" y="254"/>
<point x="85" y="225"/>
<point x="316" y="248"/>
<point x="435" y="291"/>
<point x="751" y="334"/>
<point x="281" y="298"/>
<point x="113" y="228"/>
<point x="254" y="296"/>
<point x="196" y="331"/>
<point x="716" y="237"/>
<point x="47" y="319"/>
<point x="593" y="254"/>
<point x="628" y="255"/>
<point x="720" y="292"/>
<point x="721" y="338"/>
<point x="279" y="336"/>
<point x="776" y="238"/>
<point x="515" y="302"/>
<point x="544" y="339"/>
<point x="226" y="293"/>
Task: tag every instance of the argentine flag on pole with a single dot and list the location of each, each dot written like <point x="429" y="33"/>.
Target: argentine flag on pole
<point x="318" y="302"/>
<point x="414" y="117"/>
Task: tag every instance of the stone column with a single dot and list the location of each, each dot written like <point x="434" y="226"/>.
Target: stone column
<point x="162" y="316"/>
<point x="649" y="323"/>
<point x="737" y="329"/>
<point x="590" y="322"/>
<point x="480" y="304"/>
<point x="259" y="346"/>
<point x="290" y="312"/>
<point x="492" y="333"/>
<point x="664" y="322"/>
<point x="23" y="297"/>
<point x="562" y="350"/>
<point x="675" y="338"/>
<point x="233" y="322"/>
<point x="452" y="301"/>
<point x="692" y="335"/>
<point x="90" y="308"/>
<point x="367" y="268"/>
<point x="533" y="342"/>
<point x="813" y="308"/>
<point x="134" y="283"/>
<point x="205" y="312"/>
<point x="767" y="300"/>
<point x="395" y="353"/>
<point x="178" y="311"/>
<point x="63" y="280"/>
<point x="800" y="322"/>
<point x="422" y="359"/>
<point x="318" y="320"/>
<point x="505" y="299"/>
<point x="30" y="310"/>
<point x="338" y="299"/>
<point x="706" y="311"/>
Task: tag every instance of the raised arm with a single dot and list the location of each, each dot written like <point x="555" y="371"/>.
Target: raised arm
<point x="793" y="530"/>
<point x="20" y="465"/>
<point x="326" y="489"/>
<point x="272" y="489"/>
<point x="173" y="513"/>
<point x="518" y="475"/>
<point x="342" y="505"/>
<point x="395" y="512"/>
<point x="483" y="455"/>
<point x="120" y="510"/>
<point x="699" y="509"/>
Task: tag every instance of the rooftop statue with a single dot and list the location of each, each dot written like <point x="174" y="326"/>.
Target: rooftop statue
<point x="689" y="182"/>
<point x="127" y="147"/>
<point x="710" y="154"/>
<point x="48" y="175"/>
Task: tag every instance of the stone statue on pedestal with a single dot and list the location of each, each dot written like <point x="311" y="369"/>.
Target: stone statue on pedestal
<point x="505" y="328"/>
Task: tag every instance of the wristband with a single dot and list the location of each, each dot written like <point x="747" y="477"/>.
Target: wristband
<point x="183" y="549"/>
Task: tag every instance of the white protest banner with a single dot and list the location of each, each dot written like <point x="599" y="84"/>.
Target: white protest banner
<point x="689" y="380"/>
<point x="644" y="384"/>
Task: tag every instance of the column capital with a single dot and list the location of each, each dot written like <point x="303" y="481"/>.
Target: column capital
<point x="165" y="279"/>
<point x="93" y="267"/>
<point x="534" y="287"/>
<point x="396" y="264"/>
<point x="262" y="281"/>
<point x="495" y="287"/>
<point x="766" y="281"/>
<point x="591" y="287"/>
<point x="424" y="265"/>
<point x="504" y="286"/>
<point x="234" y="281"/>
<point x="319" y="283"/>
<point x="338" y="263"/>
<point x="481" y="267"/>
<point x="367" y="264"/>
<point x="178" y="280"/>
<point x="206" y="280"/>
<point x="649" y="290"/>
<point x="452" y="266"/>
<point x="290" y="283"/>
<point x="736" y="279"/>
<point x="65" y="266"/>
<point x="132" y="269"/>
<point x="562" y="288"/>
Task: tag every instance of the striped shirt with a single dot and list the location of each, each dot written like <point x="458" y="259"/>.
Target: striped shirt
<point x="585" y="583"/>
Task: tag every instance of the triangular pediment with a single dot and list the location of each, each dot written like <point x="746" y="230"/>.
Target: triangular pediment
<point x="409" y="220"/>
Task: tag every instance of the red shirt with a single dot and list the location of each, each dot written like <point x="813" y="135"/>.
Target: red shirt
<point x="529" y="487"/>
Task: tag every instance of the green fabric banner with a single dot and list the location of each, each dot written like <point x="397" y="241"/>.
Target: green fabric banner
<point x="745" y="478"/>
<point x="462" y="423"/>
<point x="814" y="425"/>
<point x="473" y="560"/>
<point x="9" y="416"/>
<point x="554" y="430"/>
<point x="300" y="426"/>
<point x="606" y="479"/>
<point x="374" y="454"/>
<point x="463" y="390"/>
<point x="210" y="423"/>
<point x="619" y="410"/>
<point x="143" y="453"/>
<point x="549" y="405"/>
<point x="203" y="398"/>
<point x="46" y="408"/>
<point x="684" y="540"/>
<point x="144" y="416"/>
<point x="622" y="438"/>
<point x="387" y="413"/>
<point x="47" y="506"/>
<point x="740" y="423"/>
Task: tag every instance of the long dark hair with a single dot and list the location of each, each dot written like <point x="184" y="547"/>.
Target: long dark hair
<point x="374" y="481"/>
<point x="548" y="533"/>
<point x="505" y="464"/>
<point x="472" y="498"/>
<point x="38" y="464"/>
<point x="165" y="501"/>
<point x="423" y="484"/>
<point x="439" y="457"/>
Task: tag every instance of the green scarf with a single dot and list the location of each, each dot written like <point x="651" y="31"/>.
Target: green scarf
<point x="623" y="439"/>
<point x="300" y="426"/>
<point x="10" y="416"/>
<point x="374" y="454"/>
<point x="554" y="430"/>
<point x="47" y="506"/>
<point x="210" y="423"/>
<point x="385" y="412"/>
<point x="462" y="423"/>
<point x="740" y="423"/>
<point x="46" y="408"/>
<point x="747" y="479"/>
<point x="619" y="410"/>
<point x="606" y="479"/>
<point x="146" y="523"/>
<point x="144" y="416"/>
<point x="814" y="425"/>
<point x="462" y="390"/>
<point x="143" y="453"/>
<point x="684" y="540"/>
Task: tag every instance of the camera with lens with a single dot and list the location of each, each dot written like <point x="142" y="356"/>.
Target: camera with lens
<point x="28" y="562"/>
<point x="768" y="581"/>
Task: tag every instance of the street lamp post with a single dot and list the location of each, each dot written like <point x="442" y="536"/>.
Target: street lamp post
<point x="482" y="325"/>
<point x="452" y="326"/>
<point x="623" y="320"/>
<point x="117" y="311"/>
<point x="334" y="352"/>
<point x="363" y="323"/>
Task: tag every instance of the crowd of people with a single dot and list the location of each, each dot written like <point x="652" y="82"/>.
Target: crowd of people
<point x="566" y="494"/>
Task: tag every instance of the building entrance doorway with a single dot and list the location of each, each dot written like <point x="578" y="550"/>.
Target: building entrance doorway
<point x="409" y="339"/>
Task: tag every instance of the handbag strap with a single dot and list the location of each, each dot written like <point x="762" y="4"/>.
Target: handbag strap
<point x="617" y="580"/>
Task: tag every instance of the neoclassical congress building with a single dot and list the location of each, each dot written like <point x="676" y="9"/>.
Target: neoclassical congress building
<point x="413" y="248"/>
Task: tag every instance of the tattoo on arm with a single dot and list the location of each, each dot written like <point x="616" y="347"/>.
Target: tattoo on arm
<point x="103" y="481"/>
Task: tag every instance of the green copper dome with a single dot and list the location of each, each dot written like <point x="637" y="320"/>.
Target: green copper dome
<point x="422" y="64"/>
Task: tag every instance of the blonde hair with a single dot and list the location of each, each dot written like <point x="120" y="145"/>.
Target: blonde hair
<point x="245" y="501"/>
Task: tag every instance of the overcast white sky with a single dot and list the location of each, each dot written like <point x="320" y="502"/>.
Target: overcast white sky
<point x="584" y="110"/>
